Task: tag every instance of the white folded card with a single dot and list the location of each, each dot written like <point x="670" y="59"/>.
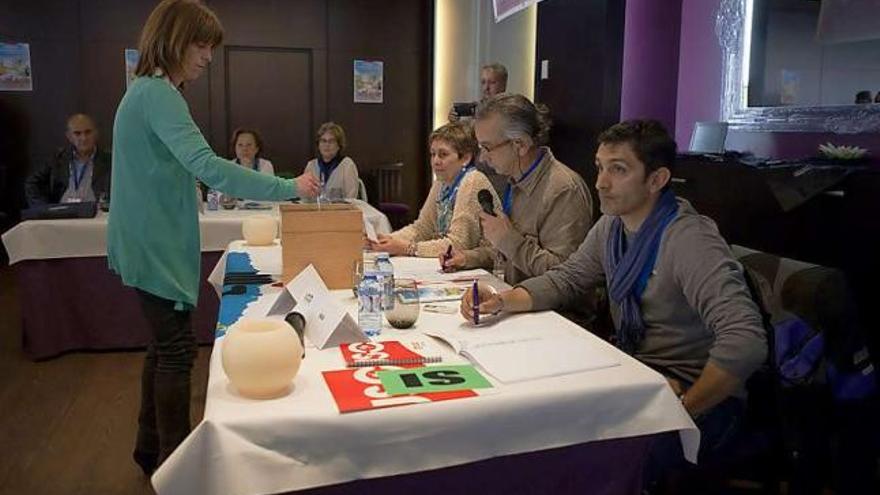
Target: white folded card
<point x="327" y="323"/>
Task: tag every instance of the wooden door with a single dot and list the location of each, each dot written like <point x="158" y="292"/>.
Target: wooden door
<point x="270" y="90"/>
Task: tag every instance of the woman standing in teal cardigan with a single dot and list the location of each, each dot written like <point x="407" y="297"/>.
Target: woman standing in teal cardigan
<point x="153" y="232"/>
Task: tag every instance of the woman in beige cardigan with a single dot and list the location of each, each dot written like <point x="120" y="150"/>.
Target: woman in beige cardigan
<point x="449" y="216"/>
<point x="337" y="173"/>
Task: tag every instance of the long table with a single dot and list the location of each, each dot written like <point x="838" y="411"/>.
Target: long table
<point x="71" y="301"/>
<point x="585" y="432"/>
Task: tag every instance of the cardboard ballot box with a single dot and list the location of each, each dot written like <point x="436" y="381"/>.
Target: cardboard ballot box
<point x="330" y="237"/>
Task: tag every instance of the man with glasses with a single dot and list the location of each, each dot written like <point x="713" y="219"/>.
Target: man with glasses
<point x="547" y="209"/>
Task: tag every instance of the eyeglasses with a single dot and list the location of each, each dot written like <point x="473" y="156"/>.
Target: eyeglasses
<point x="485" y="148"/>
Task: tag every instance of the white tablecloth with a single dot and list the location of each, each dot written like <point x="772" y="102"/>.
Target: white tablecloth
<point x="76" y="238"/>
<point x="301" y="441"/>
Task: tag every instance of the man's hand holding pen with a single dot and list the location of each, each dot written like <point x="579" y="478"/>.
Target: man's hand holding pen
<point x="487" y="302"/>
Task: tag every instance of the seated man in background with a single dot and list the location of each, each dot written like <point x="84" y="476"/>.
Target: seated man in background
<point x="679" y="300"/>
<point x="448" y="219"/>
<point x="546" y="206"/>
<point x="493" y="81"/>
<point x="78" y="172"/>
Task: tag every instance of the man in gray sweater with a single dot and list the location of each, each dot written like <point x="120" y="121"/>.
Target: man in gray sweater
<point x="679" y="300"/>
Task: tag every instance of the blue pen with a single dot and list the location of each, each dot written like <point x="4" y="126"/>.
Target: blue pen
<point x="476" y="304"/>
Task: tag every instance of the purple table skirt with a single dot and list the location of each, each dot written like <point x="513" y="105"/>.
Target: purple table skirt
<point x="608" y="467"/>
<point x="74" y="304"/>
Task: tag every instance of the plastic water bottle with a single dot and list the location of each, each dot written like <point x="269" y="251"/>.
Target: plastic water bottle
<point x="499" y="266"/>
<point x="386" y="271"/>
<point x="213" y="199"/>
<point x="370" y="305"/>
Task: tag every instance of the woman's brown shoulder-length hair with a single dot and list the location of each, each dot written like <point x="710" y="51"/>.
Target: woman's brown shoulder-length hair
<point x="171" y="28"/>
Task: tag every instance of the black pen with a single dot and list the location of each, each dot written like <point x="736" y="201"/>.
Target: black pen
<point x="476" y="304"/>
<point x="446" y="257"/>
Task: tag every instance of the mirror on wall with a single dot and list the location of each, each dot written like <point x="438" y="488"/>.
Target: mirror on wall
<point x="800" y="65"/>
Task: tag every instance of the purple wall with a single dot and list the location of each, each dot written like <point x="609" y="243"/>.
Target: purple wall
<point x="699" y="93"/>
<point x="699" y="68"/>
<point x="650" y="60"/>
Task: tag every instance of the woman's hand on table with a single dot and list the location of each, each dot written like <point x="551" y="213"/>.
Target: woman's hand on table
<point x="390" y="245"/>
<point x="453" y="262"/>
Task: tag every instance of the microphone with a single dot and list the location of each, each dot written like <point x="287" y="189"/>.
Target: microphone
<point x="298" y="322"/>
<point x="486" y="202"/>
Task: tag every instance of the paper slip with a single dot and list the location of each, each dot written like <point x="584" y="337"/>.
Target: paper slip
<point x="518" y="354"/>
<point x="436" y="276"/>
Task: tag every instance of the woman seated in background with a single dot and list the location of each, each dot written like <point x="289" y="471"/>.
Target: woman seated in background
<point x="337" y="173"/>
<point x="248" y="144"/>
<point x="450" y="215"/>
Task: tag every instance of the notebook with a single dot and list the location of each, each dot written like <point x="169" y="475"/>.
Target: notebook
<point x="389" y="353"/>
<point x="527" y="349"/>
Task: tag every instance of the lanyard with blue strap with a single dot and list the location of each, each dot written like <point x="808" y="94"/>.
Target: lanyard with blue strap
<point x="450" y="192"/>
<point x="77" y="173"/>
<point x="507" y="201"/>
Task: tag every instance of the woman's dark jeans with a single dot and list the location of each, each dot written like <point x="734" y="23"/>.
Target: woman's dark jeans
<point x="163" y="421"/>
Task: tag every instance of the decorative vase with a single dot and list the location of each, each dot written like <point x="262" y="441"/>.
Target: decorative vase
<point x="261" y="357"/>
<point x="259" y="230"/>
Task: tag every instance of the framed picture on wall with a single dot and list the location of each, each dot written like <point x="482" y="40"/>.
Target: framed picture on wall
<point x="15" y="67"/>
<point x="131" y="60"/>
<point x="368" y="81"/>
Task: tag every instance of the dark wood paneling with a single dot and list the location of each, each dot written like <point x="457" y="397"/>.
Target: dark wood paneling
<point x="112" y="20"/>
<point x="396" y="130"/>
<point x="255" y="77"/>
<point x="583" y="91"/>
<point x="279" y="23"/>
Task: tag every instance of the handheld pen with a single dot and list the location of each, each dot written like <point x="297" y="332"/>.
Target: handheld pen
<point x="447" y="256"/>
<point x="476" y="304"/>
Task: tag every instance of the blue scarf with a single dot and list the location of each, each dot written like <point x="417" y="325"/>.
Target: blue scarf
<point x="327" y="168"/>
<point x="629" y="267"/>
<point x="446" y="199"/>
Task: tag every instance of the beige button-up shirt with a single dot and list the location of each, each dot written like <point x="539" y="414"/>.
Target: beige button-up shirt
<point x="551" y="212"/>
